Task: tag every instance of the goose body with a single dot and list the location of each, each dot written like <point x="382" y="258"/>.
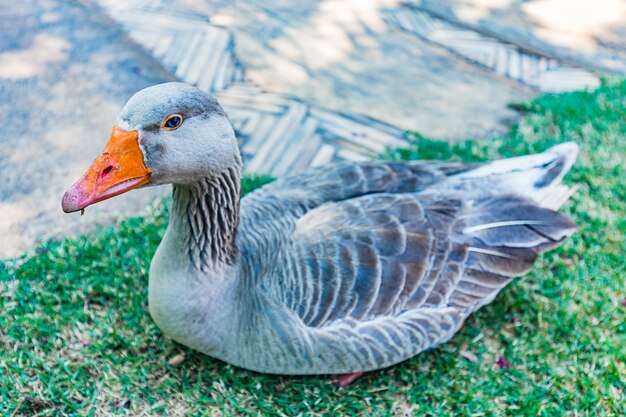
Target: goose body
<point x="340" y="269"/>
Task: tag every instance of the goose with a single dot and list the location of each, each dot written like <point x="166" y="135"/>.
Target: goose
<point x="341" y="269"/>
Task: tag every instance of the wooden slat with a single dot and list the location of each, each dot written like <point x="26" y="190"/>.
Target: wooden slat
<point x="295" y="148"/>
<point x="324" y="155"/>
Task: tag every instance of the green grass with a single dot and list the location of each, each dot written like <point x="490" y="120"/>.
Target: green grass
<point x="76" y="336"/>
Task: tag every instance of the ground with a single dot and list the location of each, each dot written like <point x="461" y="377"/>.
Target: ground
<point x="78" y="339"/>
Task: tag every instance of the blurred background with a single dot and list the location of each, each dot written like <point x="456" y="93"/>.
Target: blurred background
<point x="303" y="82"/>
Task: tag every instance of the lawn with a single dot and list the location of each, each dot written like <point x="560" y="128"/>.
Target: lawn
<point x="77" y="338"/>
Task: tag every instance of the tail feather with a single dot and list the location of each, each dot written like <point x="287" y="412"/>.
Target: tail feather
<point x="537" y="177"/>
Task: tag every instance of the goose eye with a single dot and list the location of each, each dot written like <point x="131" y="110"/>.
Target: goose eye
<point x="172" y="122"/>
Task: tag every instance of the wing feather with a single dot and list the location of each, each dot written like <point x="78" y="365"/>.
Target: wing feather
<point x="392" y="251"/>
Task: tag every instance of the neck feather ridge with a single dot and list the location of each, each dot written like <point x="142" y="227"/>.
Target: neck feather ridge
<point x="209" y="213"/>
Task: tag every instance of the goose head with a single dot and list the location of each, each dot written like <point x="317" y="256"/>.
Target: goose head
<point x="167" y="133"/>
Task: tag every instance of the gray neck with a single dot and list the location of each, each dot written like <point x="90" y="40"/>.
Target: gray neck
<point x="206" y="213"/>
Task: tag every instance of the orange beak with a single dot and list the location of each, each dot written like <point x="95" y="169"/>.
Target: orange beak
<point x="118" y="169"/>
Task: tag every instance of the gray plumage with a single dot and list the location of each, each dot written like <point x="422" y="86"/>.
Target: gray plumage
<point x="346" y="268"/>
